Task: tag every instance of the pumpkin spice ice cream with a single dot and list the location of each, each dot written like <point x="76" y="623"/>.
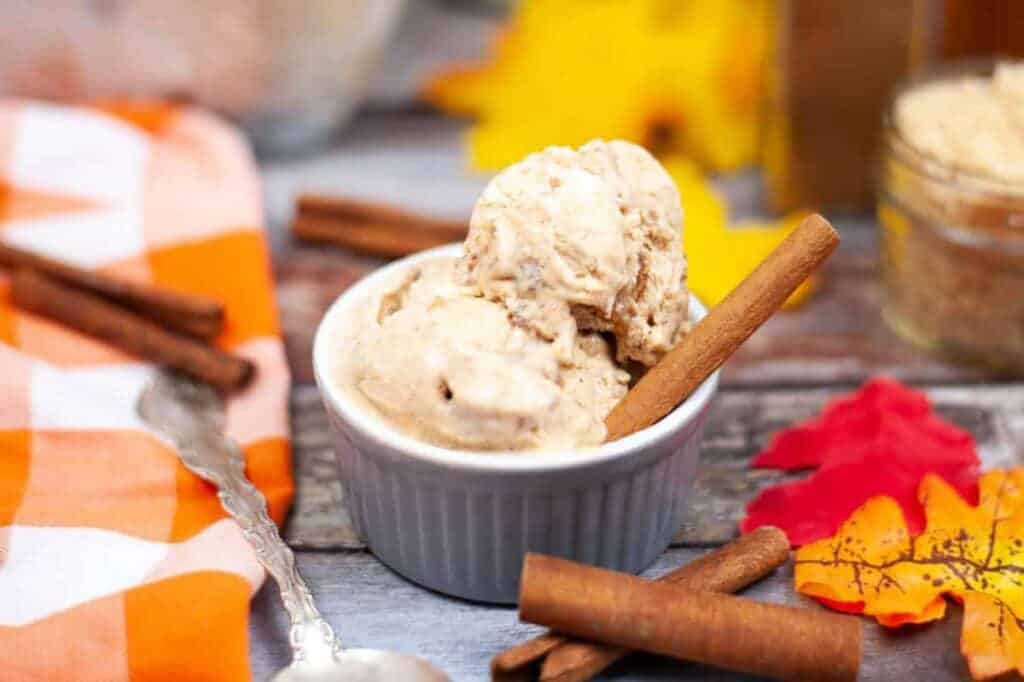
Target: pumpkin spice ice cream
<point x="587" y="239"/>
<point x="449" y="367"/>
<point x="572" y="267"/>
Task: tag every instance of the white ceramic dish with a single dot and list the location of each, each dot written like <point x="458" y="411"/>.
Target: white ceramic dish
<point x="460" y="522"/>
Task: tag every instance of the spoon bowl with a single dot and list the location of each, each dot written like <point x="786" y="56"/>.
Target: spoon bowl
<point x="362" y="665"/>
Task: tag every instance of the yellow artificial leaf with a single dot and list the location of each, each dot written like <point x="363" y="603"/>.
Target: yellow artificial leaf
<point x="973" y="554"/>
<point x="895" y="228"/>
<point x="683" y="75"/>
<point x="753" y="240"/>
<point x="719" y="256"/>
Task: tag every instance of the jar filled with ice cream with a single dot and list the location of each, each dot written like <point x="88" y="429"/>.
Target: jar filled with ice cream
<point x="951" y="207"/>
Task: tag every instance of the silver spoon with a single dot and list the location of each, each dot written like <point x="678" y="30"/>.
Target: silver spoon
<point x="191" y="415"/>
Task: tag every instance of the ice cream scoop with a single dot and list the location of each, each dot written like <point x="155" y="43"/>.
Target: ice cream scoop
<point x="453" y="368"/>
<point x="572" y="271"/>
<point x="586" y="239"/>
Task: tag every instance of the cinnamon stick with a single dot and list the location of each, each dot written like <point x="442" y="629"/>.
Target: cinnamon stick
<point x="388" y="240"/>
<point x="514" y="664"/>
<point x="350" y="208"/>
<point x="722" y="630"/>
<point x="47" y="296"/>
<point x="370" y="227"/>
<point x="727" y="569"/>
<point x="196" y="316"/>
<point x="716" y="337"/>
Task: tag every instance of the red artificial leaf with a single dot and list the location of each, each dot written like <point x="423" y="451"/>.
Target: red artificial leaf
<point x="881" y="440"/>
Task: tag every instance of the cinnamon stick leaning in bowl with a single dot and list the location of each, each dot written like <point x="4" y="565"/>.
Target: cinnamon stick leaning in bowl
<point x="726" y="326"/>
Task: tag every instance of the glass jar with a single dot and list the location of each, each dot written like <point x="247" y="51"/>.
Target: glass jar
<point x="952" y="249"/>
<point x="816" y="50"/>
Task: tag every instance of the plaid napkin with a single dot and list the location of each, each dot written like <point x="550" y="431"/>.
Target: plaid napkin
<point x="115" y="562"/>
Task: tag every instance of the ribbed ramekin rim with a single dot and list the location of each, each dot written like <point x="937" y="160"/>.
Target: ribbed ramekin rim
<point x="519" y="461"/>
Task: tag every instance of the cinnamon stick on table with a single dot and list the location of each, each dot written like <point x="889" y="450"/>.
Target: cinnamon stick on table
<point x="726" y="326"/>
<point x="370" y="227"/>
<point x="726" y="569"/>
<point x="705" y="627"/>
<point x="44" y="295"/>
<point x="197" y="316"/>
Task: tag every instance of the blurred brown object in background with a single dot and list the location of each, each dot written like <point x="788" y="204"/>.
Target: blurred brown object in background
<point x="975" y="28"/>
<point x="829" y="74"/>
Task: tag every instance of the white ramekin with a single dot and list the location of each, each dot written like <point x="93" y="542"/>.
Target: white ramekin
<point x="460" y="522"/>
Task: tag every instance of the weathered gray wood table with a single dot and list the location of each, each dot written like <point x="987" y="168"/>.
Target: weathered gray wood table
<point x="784" y="373"/>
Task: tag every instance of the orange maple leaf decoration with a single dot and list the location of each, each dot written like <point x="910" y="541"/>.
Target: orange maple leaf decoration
<point x="973" y="554"/>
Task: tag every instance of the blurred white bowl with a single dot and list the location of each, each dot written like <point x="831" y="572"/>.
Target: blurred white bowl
<point x="289" y="70"/>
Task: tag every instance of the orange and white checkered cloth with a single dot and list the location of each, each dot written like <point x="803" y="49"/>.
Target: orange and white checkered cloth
<point x="115" y="562"/>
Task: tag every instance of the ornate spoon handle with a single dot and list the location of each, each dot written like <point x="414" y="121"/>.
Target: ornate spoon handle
<point x="187" y="413"/>
<point x="311" y="636"/>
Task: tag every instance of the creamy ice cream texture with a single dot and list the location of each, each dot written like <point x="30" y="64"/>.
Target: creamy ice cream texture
<point x="449" y="367"/>
<point x="587" y="239"/>
<point x="573" y="267"/>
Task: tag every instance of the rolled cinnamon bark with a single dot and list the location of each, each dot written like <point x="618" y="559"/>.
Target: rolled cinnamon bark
<point x="93" y="315"/>
<point x="706" y="627"/>
<point x="513" y="663"/>
<point x="348" y="208"/>
<point x="716" y="337"/>
<point x="196" y="316"/>
<point x="726" y="569"/>
<point x="370" y="227"/>
<point x="388" y="240"/>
